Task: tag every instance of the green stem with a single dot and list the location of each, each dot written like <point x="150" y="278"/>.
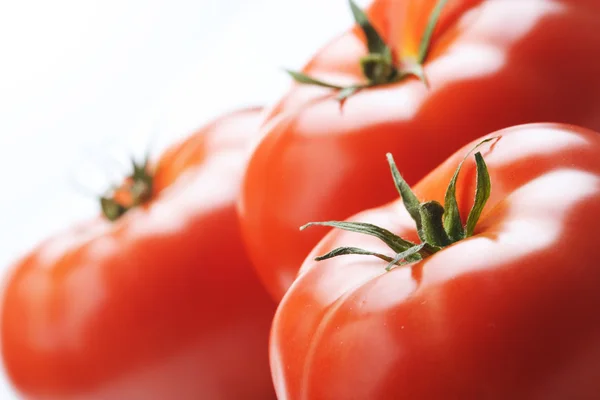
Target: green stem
<point x="138" y="186"/>
<point x="433" y="229"/>
<point x="378" y="66"/>
<point x="433" y="226"/>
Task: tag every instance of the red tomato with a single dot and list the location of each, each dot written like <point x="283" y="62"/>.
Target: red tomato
<point x="492" y="64"/>
<point x="161" y="303"/>
<point x="509" y="313"/>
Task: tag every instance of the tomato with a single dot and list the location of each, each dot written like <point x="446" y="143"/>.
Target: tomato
<point x="162" y="302"/>
<point x="491" y="65"/>
<point x="508" y="313"/>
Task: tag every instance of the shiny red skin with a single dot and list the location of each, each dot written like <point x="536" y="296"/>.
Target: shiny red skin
<point x="493" y="64"/>
<point x="510" y="313"/>
<point x="162" y="304"/>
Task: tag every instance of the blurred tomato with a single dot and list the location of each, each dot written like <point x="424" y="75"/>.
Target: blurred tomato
<point x="490" y="65"/>
<point x="161" y="303"/>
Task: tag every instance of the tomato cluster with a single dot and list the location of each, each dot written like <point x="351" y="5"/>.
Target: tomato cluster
<point x="456" y="276"/>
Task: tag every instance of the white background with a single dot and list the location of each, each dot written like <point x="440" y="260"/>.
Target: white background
<point x="80" y="79"/>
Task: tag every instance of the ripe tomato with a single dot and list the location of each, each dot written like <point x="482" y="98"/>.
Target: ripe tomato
<point x="491" y="64"/>
<point x="160" y="304"/>
<point x="508" y="313"/>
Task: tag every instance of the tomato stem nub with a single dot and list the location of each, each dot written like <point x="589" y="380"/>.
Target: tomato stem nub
<point x="378" y="65"/>
<point x="433" y="227"/>
<point x="137" y="189"/>
<point x="111" y="209"/>
<point x="438" y="226"/>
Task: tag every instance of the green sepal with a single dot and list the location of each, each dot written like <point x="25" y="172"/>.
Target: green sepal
<point x="482" y="194"/>
<point x="375" y="43"/>
<point x="393" y="241"/>
<point x="407" y="255"/>
<point x="410" y="200"/>
<point x="308" y="80"/>
<point x="346" y="92"/>
<point x="452" y="221"/>
<point x="111" y="209"/>
<point x="343" y="251"/>
<point x="429" y="29"/>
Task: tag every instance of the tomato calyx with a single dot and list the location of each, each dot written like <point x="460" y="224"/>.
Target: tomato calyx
<point x="437" y="226"/>
<point x="134" y="191"/>
<point x="379" y="66"/>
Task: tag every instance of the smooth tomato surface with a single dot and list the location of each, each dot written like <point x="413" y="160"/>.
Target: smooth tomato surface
<point x="492" y="64"/>
<point x="161" y="304"/>
<point x="509" y="313"/>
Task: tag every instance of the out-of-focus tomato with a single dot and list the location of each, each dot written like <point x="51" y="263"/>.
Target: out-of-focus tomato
<point x="491" y="64"/>
<point x="507" y="313"/>
<point x="161" y="303"/>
